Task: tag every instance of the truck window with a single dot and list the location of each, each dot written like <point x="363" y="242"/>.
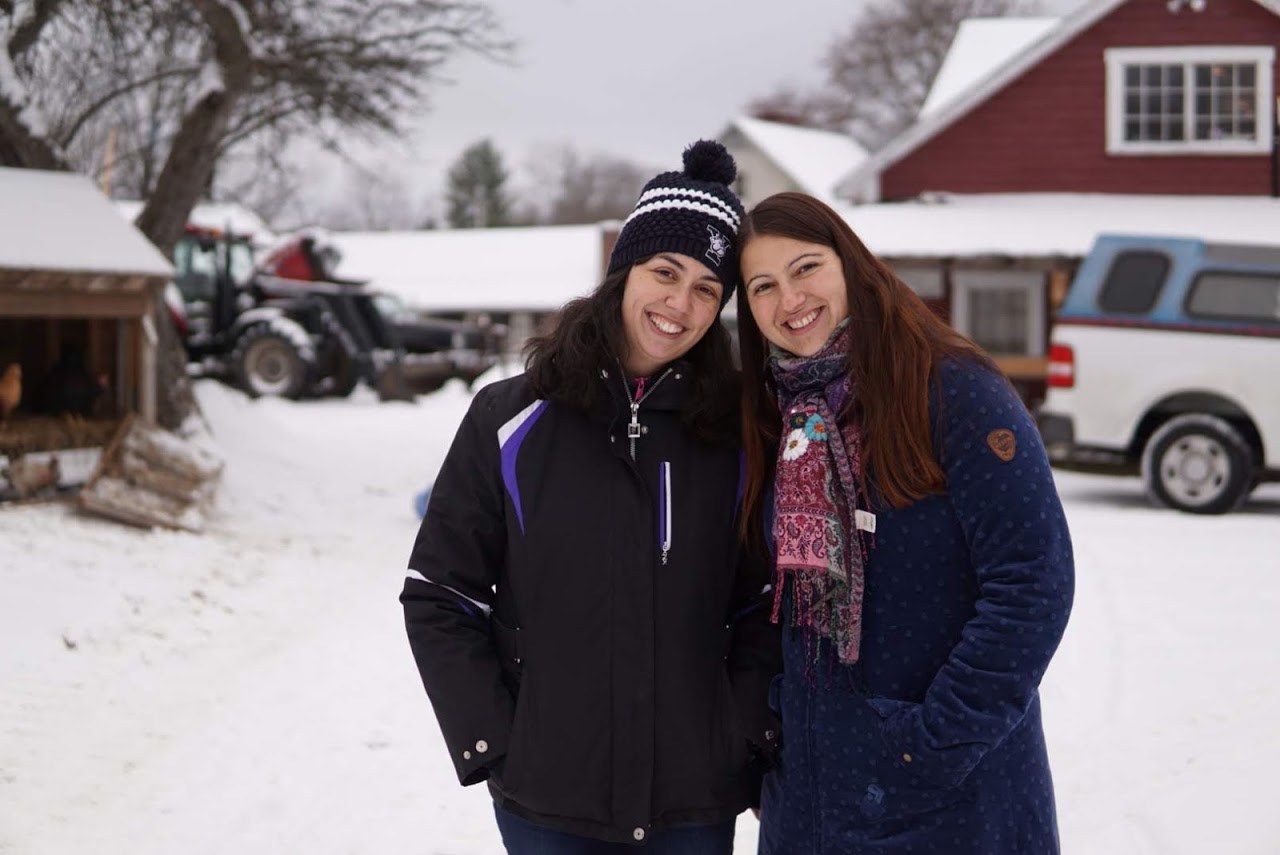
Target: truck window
<point x="1235" y="296"/>
<point x="1134" y="282"/>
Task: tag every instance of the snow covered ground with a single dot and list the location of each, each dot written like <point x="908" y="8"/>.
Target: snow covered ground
<point x="250" y="690"/>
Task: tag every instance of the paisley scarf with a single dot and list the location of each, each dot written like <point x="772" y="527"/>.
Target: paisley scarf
<point x="816" y="496"/>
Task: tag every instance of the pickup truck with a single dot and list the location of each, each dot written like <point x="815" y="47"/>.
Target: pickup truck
<point x="1163" y="363"/>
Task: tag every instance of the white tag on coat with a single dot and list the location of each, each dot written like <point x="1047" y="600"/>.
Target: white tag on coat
<point x="865" y="521"/>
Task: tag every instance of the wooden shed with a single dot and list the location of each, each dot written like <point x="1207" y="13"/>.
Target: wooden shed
<point x="79" y="286"/>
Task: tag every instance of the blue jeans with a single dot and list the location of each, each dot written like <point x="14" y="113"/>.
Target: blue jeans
<point x="522" y="837"/>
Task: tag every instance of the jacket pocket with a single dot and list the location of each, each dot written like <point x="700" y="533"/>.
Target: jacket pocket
<point x="506" y="774"/>
<point x="897" y="785"/>
<point x="666" y="515"/>
<point x="775" y="696"/>
<point x="734" y="745"/>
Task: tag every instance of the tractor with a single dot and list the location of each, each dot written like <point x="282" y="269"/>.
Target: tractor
<point x="285" y="328"/>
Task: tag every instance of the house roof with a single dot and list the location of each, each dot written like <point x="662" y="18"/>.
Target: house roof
<point x="455" y="270"/>
<point x="1049" y="225"/>
<point x="980" y="47"/>
<point x="60" y="221"/>
<point x="813" y="158"/>
<point x="1011" y="69"/>
<point x="213" y="215"/>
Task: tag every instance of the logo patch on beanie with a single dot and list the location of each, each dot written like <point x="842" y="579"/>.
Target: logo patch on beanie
<point x="1003" y="443"/>
<point x="717" y="246"/>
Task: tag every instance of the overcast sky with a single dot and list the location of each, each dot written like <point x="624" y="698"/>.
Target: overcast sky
<point x="634" y="78"/>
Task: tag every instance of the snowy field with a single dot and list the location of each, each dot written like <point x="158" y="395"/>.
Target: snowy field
<point x="251" y="691"/>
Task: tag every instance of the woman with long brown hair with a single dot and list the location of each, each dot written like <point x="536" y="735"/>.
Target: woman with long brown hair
<point x="923" y="567"/>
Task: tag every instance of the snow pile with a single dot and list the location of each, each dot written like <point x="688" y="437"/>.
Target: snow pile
<point x="251" y="690"/>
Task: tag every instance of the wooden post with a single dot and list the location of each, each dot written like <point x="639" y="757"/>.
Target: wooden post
<point x="147" y="346"/>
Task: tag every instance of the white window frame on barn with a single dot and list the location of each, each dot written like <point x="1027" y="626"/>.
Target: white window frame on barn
<point x="1173" y="77"/>
<point x="966" y="284"/>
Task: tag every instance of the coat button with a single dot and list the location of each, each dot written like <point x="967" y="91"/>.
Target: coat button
<point x="466" y="755"/>
<point x="638" y="834"/>
<point x="769" y="736"/>
<point x="906" y="758"/>
<point x="482" y="746"/>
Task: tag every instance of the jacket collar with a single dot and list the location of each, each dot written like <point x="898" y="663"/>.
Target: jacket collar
<point x="668" y="388"/>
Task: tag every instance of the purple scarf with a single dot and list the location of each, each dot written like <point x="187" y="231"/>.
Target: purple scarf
<point x="816" y="496"/>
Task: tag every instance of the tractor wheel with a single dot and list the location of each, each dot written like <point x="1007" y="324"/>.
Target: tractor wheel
<point x="267" y="363"/>
<point x="1198" y="463"/>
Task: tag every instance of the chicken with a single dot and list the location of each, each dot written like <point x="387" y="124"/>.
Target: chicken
<point x="29" y="477"/>
<point x="10" y="390"/>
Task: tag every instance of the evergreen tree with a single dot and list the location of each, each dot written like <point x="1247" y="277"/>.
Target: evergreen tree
<point x="477" y="196"/>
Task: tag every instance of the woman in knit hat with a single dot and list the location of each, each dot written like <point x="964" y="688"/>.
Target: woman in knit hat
<point x="591" y="635"/>
<point x="923" y="566"/>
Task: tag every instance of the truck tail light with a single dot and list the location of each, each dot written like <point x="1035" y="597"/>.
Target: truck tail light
<point x="1062" y="366"/>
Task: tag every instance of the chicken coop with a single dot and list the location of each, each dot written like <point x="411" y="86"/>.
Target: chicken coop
<point x="79" y="286"/>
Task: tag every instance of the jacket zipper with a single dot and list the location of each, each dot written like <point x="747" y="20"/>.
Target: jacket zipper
<point x="665" y="515"/>
<point x="633" y="427"/>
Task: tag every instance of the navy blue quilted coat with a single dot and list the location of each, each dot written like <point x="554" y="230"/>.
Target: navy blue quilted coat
<point x="932" y="742"/>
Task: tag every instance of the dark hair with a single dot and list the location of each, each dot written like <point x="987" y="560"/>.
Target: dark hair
<point x="586" y="336"/>
<point x="896" y="343"/>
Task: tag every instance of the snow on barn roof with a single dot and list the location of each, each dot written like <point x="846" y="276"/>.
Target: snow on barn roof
<point x="815" y="159"/>
<point x="1046" y="225"/>
<point x="59" y="221"/>
<point x="455" y="270"/>
<point x="981" y="45"/>
<point x="213" y="215"/>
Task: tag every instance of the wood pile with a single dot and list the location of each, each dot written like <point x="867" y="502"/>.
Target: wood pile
<point x="148" y="476"/>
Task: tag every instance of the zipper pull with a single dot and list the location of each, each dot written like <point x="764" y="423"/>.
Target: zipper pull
<point x="633" y="429"/>
<point x="665" y="550"/>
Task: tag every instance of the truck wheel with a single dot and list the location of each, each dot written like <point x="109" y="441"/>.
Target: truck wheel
<point x="267" y="363"/>
<point x="1198" y="463"/>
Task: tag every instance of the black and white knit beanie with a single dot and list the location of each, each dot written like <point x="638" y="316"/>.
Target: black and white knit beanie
<point x="692" y="212"/>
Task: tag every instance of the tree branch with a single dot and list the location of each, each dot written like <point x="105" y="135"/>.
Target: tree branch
<point x="29" y="30"/>
<point x="112" y="95"/>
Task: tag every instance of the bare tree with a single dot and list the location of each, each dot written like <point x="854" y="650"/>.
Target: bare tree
<point x="880" y="71"/>
<point x="24" y="133"/>
<point x="586" y="188"/>
<point x="177" y="84"/>
<point x="792" y="106"/>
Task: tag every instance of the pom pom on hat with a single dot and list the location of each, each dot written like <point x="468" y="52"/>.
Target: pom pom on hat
<point x="693" y="212"/>
<point x="707" y="160"/>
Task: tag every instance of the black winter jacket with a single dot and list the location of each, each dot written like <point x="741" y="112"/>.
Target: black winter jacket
<point x="588" y="633"/>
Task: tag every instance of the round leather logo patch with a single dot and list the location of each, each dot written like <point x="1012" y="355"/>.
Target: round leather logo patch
<point x="1003" y="443"/>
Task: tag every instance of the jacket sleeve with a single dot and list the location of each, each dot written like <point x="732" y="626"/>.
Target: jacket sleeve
<point x="448" y="597"/>
<point x="1002" y="491"/>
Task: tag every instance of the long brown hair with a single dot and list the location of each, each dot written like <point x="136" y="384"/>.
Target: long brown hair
<point x="895" y="344"/>
<point x="563" y="364"/>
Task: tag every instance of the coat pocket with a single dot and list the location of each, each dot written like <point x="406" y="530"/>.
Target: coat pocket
<point x="896" y="787"/>
<point x="775" y="696"/>
<point x="733" y="742"/>
<point x="506" y="775"/>
<point x="666" y="514"/>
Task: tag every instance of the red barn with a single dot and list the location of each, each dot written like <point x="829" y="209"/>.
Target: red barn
<point x="1123" y="96"/>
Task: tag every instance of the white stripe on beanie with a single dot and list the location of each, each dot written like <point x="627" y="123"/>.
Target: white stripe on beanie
<point x="695" y="194"/>
<point x="684" y="206"/>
